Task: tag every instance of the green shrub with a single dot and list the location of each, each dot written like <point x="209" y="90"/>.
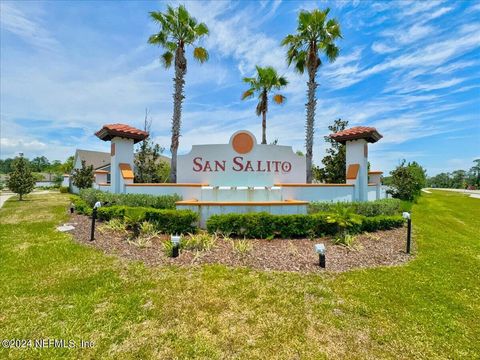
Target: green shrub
<point x="165" y="221"/>
<point x="365" y="208"/>
<point x="64" y="189"/>
<point x="91" y="196"/>
<point x="173" y="221"/>
<point x="407" y="181"/>
<point x="81" y="207"/>
<point x="381" y="222"/>
<point x="347" y="222"/>
<point x="107" y="213"/>
<point x="264" y="225"/>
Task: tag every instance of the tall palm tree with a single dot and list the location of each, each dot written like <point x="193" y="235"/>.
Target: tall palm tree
<point x="178" y="30"/>
<point x="315" y="35"/>
<point x="265" y="81"/>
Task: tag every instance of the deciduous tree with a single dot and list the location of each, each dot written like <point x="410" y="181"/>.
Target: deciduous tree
<point x="83" y="178"/>
<point x="21" y="180"/>
<point x="334" y="167"/>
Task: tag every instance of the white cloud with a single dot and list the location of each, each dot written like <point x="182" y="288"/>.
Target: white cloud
<point x="382" y="48"/>
<point x="418" y="7"/>
<point x="16" y="21"/>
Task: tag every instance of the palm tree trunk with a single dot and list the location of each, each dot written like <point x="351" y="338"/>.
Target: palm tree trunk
<point x="309" y="129"/>
<point x="178" y="96"/>
<point x="264" y="127"/>
<point x="264" y="116"/>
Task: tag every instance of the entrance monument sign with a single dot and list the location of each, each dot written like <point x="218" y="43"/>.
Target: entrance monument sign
<point x="244" y="176"/>
<point x="241" y="162"/>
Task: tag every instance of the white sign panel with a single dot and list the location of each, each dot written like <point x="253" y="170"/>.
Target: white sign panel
<point x="242" y="162"/>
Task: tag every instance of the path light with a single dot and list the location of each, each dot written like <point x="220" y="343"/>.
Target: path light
<point x="176" y="245"/>
<point x="320" y="250"/>
<point x="72" y="207"/>
<point x="406" y="215"/>
<point x="94" y="216"/>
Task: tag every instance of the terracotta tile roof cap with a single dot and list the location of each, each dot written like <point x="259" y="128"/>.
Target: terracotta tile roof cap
<point x="358" y="132"/>
<point x="109" y="131"/>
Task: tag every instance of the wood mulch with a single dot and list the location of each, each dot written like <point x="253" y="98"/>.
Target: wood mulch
<point x="382" y="248"/>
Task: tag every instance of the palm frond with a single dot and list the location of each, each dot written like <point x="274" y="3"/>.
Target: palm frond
<point x="331" y="51"/>
<point x="279" y="99"/>
<point x="248" y="94"/>
<point x="167" y="59"/>
<point x="200" y="54"/>
<point x="201" y="30"/>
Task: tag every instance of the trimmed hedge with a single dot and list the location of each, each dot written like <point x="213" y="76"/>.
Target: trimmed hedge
<point x="91" y="196"/>
<point x="166" y="221"/>
<point x="264" y="225"/>
<point x="81" y="207"/>
<point x="381" y="222"/>
<point x="365" y="208"/>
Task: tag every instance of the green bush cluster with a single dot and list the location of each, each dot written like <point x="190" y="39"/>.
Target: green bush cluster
<point x="91" y="196"/>
<point x="81" y="206"/>
<point x="381" y="222"/>
<point x="165" y="221"/>
<point x="63" y="189"/>
<point x="264" y="225"/>
<point x="365" y="208"/>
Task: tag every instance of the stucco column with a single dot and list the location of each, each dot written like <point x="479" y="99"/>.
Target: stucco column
<point x="121" y="153"/>
<point x="357" y="153"/>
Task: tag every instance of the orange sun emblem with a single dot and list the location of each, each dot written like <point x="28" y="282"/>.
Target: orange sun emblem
<point x="242" y="143"/>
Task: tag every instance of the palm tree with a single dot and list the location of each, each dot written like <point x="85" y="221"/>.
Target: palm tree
<point x="266" y="80"/>
<point x="178" y="30"/>
<point x="315" y="34"/>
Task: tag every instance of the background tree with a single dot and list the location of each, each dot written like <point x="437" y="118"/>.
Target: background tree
<point x="315" y="35"/>
<point x="334" y="166"/>
<point x="147" y="158"/>
<point x="21" y="180"/>
<point x="83" y="178"/>
<point x="67" y="166"/>
<point x="262" y="84"/>
<point x="40" y="163"/>
<point x="407" y="181"/>
<point x="177" y="30"/>
<point x="6" y="165"/>
<point x="474" y="174"/>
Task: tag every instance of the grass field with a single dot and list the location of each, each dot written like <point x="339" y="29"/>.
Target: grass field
<point x="54" y="288"/>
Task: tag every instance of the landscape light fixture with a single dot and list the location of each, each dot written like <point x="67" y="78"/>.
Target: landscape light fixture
<point x="406" y="215"/>
<point x="320" y="250"/>
<point x="94" y="216"/>
<point x="72" y="208"/>
<point x="176" y="245"/>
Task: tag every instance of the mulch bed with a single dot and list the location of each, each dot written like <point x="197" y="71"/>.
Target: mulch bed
<point x="382" y="248"/>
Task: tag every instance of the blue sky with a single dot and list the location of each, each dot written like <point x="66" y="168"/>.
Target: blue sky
<point x="411" y="69"/>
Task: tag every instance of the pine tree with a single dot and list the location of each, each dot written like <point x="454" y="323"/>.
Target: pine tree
<point x="21" y="180"/>
<point x="83" y="178"/>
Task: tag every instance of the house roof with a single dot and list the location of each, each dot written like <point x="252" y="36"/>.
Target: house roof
<point x="358" y="132"/>
<point x="97" y="159"/>
<point x="100" y="159"/>
<point x="109" y="131"/>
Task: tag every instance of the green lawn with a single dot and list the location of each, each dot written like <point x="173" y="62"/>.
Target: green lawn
<point x="53" y="288"/>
